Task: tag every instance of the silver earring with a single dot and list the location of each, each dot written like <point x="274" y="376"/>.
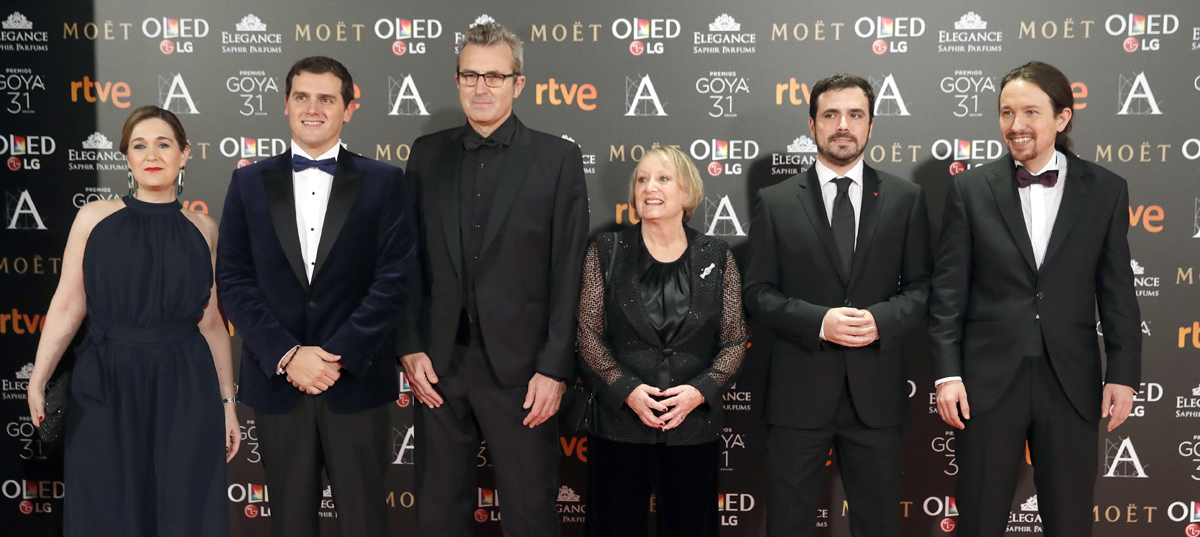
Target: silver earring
<point x="179" y="184"/>
<point x="132" y="185"/>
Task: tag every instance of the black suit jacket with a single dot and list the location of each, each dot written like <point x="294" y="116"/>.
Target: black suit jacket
<point x="792" y="280"/>
<point x="365" y="263"/>
<point x="621" y="349"/>
<point x="530" y="263"/>
<point x="989" y="297"/>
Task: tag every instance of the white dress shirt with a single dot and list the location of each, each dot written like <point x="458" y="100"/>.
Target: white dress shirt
<point x="1039" y="205"/>
<point x="310" y="188"/>
<point x="825" y="177"/>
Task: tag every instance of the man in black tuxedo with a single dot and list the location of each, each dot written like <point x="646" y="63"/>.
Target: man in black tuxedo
<point x="1032" y="246"/>
<point x="317" y="259"/>
<point x="504" y="220"/>
<point x="838" y="268"/>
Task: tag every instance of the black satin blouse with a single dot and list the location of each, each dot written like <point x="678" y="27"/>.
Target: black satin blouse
<point x="666" y="297"/>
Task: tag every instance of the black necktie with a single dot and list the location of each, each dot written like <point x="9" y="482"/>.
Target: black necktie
<point x="842" y="223"/>
<point x="1025" y="178"/>
<point x="301" y="163"/>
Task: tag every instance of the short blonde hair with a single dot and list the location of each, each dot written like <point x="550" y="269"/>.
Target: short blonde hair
<point x="684" y="171"/>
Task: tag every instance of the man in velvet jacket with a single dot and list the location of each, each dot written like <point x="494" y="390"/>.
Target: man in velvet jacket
<point x="316" y="257"/>
<point x="838" y="268"/>
<point x="504" y="221"/>
<point x="1033" y="246"/>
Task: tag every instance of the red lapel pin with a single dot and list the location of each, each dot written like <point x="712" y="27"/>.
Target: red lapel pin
<point x="876" y="193"/>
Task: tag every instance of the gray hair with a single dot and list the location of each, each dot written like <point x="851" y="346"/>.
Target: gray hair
<point x="488" y="34"/>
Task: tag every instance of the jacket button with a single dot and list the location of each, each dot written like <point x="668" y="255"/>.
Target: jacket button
<point x="312" y="304"/>
<point x="846" y="303"/>
<point x="668" y="351"/>
<point x="1040" y="295"/>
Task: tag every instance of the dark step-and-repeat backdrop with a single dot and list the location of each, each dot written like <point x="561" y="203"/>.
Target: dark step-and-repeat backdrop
<point x="726" y="82"/>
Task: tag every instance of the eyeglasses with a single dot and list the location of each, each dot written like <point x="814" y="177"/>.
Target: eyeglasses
<point x="493" y="80"/>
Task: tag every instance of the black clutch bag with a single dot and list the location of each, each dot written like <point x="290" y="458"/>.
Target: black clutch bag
<point x="51" y="428"/>
<point x="578" y="409"/>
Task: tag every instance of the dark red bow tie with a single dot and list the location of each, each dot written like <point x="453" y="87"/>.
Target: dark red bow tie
<point x="1047" y="179"/>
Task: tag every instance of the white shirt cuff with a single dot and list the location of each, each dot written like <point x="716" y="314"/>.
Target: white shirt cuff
<point x="279" y="368"/>
<point x="823" y="332"/>
<point x="943" y="380"/>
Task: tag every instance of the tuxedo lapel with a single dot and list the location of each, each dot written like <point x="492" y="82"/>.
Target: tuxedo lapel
<point x="281" y="202"/>
<point x="517" y="160"/>
<point x="1004" y="191"/>
<point x="347" y="181"/>
<point x="814" y="207"/>
<point x="449" y="178"/>
<point x="1075" y="194"/>
<point x="868" y="220"/>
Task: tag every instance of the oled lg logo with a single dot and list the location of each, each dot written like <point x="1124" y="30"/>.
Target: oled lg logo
<point x="724" y="150"/>
<point x="402" y="31"/>
<point x="1141" y="25"/>
<point x="884" y="28"/>
<point x="966" y="150"/>
<point x="35" y="495"/>
<point x="23" y="151"/>
<point x="253" y="147"/>
<point x="653" y="31"/>
<point x="734" y="503"/>
<point x="173" y="31"/>
<point x="947" y="508"/>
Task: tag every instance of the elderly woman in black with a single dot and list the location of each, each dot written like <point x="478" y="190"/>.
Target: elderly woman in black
<point x="662" y="335"/>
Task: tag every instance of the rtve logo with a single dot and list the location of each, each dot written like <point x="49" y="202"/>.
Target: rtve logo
<point x="582" y="96"/>
<point x="21" y="323"/>
<point x="1184" y="332"/>
<point x="104" y="91"/>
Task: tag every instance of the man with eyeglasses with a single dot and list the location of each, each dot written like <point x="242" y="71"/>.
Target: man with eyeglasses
<point x="504" y="224"/>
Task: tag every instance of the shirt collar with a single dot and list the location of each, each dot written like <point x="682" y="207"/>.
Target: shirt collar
<point x="1056" y="163"/>
<point x="332" y="153"/>
<point x="503" y="134"/>
<point x="825" y="175"/>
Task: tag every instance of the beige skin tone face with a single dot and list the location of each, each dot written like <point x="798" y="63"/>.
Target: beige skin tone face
<point x="487" y="107"/>
<point x="842" y="127"/>
<point x="155" y="158"/>
<point x="657" y="194"/>
<point x="1028" y="123"/>
<point x="316" y="112"/>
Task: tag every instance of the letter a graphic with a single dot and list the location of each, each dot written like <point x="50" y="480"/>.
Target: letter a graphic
<point x="645" y="92"/>
<point x="407" y="92"/>
<point x="178" y="90"/>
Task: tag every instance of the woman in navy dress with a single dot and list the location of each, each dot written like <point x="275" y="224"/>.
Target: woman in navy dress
<point x="152" y="391"/>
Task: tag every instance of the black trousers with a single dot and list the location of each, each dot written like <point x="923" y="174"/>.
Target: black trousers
<point x="525" y="460"/>
<point x="353" y="449"/>
<point x="869" y="460"/>
<point x="621" y="476"/>
<point x="1062" y="447"/>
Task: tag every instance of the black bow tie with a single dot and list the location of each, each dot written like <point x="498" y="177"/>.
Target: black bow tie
<point x="1047" y="178"/>
<point x="301" y="163"/>
<point x="472" y="143"/>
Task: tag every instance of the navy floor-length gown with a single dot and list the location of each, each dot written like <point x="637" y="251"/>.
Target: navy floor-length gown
<point x="145" y="426"/>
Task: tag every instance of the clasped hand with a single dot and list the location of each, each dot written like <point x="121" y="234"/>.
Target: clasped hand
<point x="313" y="370"/>
<point x="850" y="327"/>
<point x="680" y="401"/>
